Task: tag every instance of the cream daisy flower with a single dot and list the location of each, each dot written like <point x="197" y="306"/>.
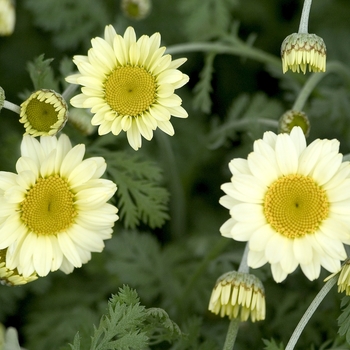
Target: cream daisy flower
<point x="291" y="203"/>
<point x="53" y="212"/>
<point x="129" y="85"/>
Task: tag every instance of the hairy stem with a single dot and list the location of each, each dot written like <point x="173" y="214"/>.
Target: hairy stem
<point x="231" y="334"/>
<point x="304" y="20"/>
<point x="239" y="49"/>
<point x="12" y="107"/>
<point x="315" y="78"/>
<point x="310" y="311"/>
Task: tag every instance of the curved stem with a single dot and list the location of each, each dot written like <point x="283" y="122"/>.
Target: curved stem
<point x="310" y="311"/>
<point x="315" y="78"/>
<point x="236" y="124"/>
<point x="304" y="20"/>
<point x="12" y="107"/>
<point x="241" y="49"/>
<point x="231" y="334"/>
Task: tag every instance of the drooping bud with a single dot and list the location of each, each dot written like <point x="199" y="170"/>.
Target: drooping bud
<point x="238" y="295"/>
<point x="302" y="50"/>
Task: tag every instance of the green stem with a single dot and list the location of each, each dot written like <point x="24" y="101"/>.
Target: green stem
<point x="243" y="266"/>
<point x="231" y="334"/>
<point x="240" y="49"/>
<point x="315" y="78"/>
<point x="237" y="124"/>
<point x="304" y="20"/>
<point x="310" y="311"/>
<point x="66" y="94"/>
<point x="235" y="322"/>
<point x="177" y="201"/>
<point x="12" y="107"/>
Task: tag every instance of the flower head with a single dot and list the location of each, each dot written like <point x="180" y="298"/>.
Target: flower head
<point x="12" y="277"/>
<point x="7" y="17"/>
<point x="129" y="85"/>
<point x="238" y="294"/>
<point x="45" y="112"/>
<point x="300" y="50"/>
<point x="53" y="210"/>
<point x="291" y="118"/>
<point x="290" y="202"/>
<point x="136" y="9"/>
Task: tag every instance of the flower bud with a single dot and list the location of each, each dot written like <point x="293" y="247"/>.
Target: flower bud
<point x="290" y="119"/>
<point x="238" y="295"/>
<point x="45" y="112"/>
<point x="300" y="50"/>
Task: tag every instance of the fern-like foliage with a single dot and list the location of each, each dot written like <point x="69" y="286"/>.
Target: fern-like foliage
<point x="72" y="22"/>
<point x="202" y="90"/>
<point x="255" y="113"/>
<point x="216" y="14"/>
<point x="41" y="73"/>
<point x="272" y="345"/>
<point x="141" y="195"/>
<point x="344" y="319"/>
<point x="129" y="325"/>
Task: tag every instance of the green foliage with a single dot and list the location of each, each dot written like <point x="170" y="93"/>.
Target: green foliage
<point x="141" y="196"/>
<point x="230" y="104"/>
<point x="42" y="74"/>
<point x="250" y="113"/>
<point x="193" y="339"/>
<point x="344" y="318"/>
<point x="216" y="14"/>
<point x="202" y="90"/>
<point x="72" y="22"/>
<point x="129" y="325"/>
<point x="272" y="345"/>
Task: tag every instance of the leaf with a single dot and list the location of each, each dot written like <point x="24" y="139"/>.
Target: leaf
<point x="71" y="22"/>
<point x="255" y="114"/>
<point x="344" y="319"/>
<point x="141" y="196"/>
<point x="202" y="98"/>
<point x="121" y="327"/>
<point x="272" y="345"/>
<point x="136" y="259"/>
<point x="76" y="342"/>
<point x="216" y="14"/>
<point x="42" y="74"/>
<point x="161" y="327"/>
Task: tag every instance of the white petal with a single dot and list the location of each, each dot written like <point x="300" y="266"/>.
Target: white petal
<point x="286" y="155"/>
<point x="279" y="275"/>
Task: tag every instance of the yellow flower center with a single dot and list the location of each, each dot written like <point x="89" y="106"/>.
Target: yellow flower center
<point x="49" y="206"/>
<point x="130" y="90"/>
<point x="41" y="115"/>
<point x="295" y="205"/>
